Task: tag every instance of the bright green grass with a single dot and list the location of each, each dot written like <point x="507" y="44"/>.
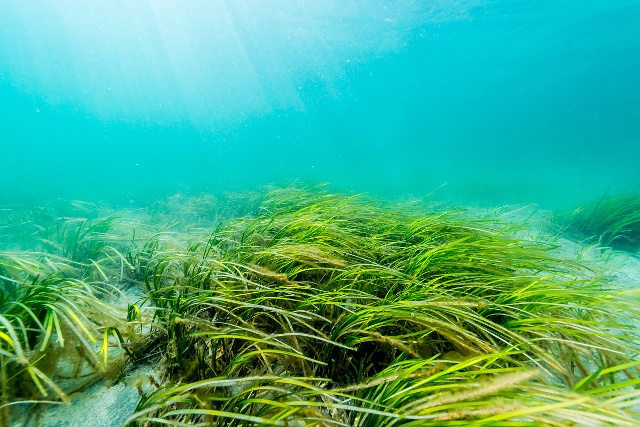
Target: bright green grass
<point x="323" y="309"/>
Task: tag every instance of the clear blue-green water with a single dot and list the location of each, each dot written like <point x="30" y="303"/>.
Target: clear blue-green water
<point x="504" y="101"/>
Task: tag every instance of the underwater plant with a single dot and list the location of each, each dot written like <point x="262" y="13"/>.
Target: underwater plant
<point x="323" y="309"/>
<point x="47" y="316"/>
<point x="60" y="306"/>
<point x="315" y="308"/>
<point x="613" y="220"/>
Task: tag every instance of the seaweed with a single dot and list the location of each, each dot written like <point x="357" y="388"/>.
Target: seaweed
<point x="613" y="220"/>
<point x="316" y="308"/>
<point x="324" y="309"/>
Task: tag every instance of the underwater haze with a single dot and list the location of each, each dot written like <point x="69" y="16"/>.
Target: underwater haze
<point x="501" y="101"/>
<point x="357" y="213"/>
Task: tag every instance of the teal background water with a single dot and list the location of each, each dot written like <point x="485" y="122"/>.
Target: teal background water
<point x="505" y="101"/>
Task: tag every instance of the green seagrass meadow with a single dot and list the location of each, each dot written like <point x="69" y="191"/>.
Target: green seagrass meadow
<point x="298" y="306"/>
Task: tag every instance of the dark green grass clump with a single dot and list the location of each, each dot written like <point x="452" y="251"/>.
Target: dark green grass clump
<point x="323" y="309"/>
<point x="614" y="221"/>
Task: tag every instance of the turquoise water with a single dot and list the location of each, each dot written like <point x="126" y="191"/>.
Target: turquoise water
<point x="504" y="101"/>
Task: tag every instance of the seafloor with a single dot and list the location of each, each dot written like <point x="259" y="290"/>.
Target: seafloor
<point x="338" y="296"/>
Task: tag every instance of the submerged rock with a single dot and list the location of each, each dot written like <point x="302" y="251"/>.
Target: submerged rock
<point x="100" y="405"/>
